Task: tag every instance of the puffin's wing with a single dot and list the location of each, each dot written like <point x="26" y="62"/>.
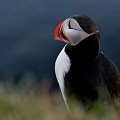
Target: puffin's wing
<point x="111" y="75"/>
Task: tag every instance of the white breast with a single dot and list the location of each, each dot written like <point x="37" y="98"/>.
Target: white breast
<point x="62" y="66"/>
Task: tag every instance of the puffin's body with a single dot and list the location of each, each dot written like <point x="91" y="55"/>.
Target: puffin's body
<point x="82" y="70"/>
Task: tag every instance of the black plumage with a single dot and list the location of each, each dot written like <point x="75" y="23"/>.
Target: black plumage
<point x="92" y="74"/>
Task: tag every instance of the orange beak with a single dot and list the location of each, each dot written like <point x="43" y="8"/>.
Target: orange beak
<point x="57" y="35"/>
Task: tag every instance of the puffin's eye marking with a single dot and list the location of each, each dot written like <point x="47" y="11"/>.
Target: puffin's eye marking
<point x="69" y="25"/>
<point x="73" y="24"/>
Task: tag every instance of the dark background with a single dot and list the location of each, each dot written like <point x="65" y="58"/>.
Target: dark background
<point x="26" y="33"/>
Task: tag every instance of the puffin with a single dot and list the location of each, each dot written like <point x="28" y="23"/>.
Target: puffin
<point x="84" y="73"/>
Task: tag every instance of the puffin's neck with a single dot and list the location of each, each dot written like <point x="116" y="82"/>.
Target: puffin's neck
<point x="85" y="51"/>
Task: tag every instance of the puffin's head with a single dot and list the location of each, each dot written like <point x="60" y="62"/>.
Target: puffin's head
<point x="75" y="29"/>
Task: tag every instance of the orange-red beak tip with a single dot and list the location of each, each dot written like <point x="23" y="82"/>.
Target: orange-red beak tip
<point x="57" y="32"/>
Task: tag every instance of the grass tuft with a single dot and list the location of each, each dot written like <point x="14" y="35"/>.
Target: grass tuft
<point x="31" y="101"/>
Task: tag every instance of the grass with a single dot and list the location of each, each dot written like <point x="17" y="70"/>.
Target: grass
<point x="29" y="101"/>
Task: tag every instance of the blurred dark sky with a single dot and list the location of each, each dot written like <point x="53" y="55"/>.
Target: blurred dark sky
<point x="27" y="27"/>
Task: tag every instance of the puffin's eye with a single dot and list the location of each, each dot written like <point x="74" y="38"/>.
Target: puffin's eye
<point x="73" y="24"/>
<point x="69" y="25"/>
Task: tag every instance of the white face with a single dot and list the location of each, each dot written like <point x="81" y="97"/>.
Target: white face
<point x="71" y="32"/>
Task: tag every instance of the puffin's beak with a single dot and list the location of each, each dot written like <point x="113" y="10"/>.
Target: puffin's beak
<point x="57" y="32"/>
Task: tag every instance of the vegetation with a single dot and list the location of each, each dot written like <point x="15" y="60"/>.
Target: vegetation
<point x="29" y="101"/>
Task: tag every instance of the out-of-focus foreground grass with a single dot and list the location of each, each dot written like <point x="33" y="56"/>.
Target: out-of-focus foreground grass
<point x="31" y="101"/>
